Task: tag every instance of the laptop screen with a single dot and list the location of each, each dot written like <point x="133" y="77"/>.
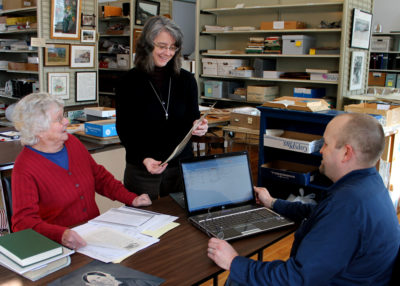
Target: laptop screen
<point x="217" y="180"/>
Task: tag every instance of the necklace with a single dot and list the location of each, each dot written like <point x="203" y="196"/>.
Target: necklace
<point x="161" y="101"/>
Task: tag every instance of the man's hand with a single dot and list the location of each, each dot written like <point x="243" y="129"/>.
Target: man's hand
<point x="201" y="129"/>
<point x="72" y="239"/>
<point x="141" y="201"/>
<point x="263" y="197"/>
<point x="154" y="167"/>
<point x="221" y="252"/>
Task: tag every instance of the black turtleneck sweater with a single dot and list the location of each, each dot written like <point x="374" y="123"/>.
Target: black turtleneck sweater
<point x="142" y="126"/>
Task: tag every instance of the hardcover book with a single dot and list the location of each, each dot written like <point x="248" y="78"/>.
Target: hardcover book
<point x="27" y="247"/>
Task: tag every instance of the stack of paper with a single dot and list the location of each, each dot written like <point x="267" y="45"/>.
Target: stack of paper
<point x="32" y="255"/>
<point x="209" y="28"/>
<point x="121" y="232"/>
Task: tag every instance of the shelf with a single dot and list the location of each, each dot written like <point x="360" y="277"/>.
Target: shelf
<point x="389" y="52"/>
<point x="268" y="55"/>
<point x="107" y="93"/>
<point x="9" y="97"/>
<point x="119" y="18"/>
<point x="113" y="36"/>
<point x="386" y="34"/>
<point x="25" y="31"/>
<point x="382" y="70"/>
<point x="19" y="71"/>
<point x="17" y="11"/>
<point x="272" y="79"/>
<point x="19" y="51"/>
<point x="252" y="9"/>
<point x="230" y="100"/>
<point x="335" y="30"/>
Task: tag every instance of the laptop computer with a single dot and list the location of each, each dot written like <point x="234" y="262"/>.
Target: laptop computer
<point x="220" y="200"/>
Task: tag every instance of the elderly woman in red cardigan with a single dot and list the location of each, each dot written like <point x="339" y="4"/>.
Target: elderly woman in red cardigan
<point x="54" y="179"/>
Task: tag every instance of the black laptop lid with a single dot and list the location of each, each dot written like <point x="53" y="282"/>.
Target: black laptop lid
<point x="217" y="182"/>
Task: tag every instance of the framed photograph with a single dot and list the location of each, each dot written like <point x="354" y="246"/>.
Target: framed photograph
<point x="65" y="19"/>
<point x="88" y="36"/>
<point x="56" y="55"/>
<point x="88" y="20"/>
<point x="361" y="32"/>
<point x="136" y="35"/>
<point x="58" y="84"/>
<point x="86" y="83"/>
<point x="357" y="70"/>
<point x="82" y="56"/>
<point x="145" y="9"/>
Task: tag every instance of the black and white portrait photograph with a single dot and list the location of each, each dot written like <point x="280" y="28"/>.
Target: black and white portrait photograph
<point x="361" y="29"/>
<point x="357" y="70"/>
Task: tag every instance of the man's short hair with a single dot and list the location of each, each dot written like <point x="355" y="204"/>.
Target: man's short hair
<point x="365" y="134"/>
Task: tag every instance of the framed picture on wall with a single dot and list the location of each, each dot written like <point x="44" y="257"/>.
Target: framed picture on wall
<point x="58" y="84"/>
<point x="146" y="9"/>
<point x="361" y="32"/>
<point x="56" y="55"/>
<point x="82" y="56"/>
<point x="86" y="83"/>
<point x="88" y="20"/>
<point x="136" y="35"/>
<point x="65" y="19"/>
<point x="357" y="70"/>
<point x="88" y="36"/>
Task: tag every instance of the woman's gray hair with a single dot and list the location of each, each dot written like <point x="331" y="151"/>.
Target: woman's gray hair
<point x="31" y="115"/>
<point x="145" y="45"/>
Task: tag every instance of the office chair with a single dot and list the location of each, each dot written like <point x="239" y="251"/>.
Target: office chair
<point x="6" y="183"/>
<point x="210" y="141"/>
<point x="394" y="280"/>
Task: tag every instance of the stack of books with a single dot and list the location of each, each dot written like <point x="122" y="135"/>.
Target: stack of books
<point x="32" y="255"/>
<point x="255" y="45"/>
<point x="273" y="45"/>
<point x="210" y="28"/>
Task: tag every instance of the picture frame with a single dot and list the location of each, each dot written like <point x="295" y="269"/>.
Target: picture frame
<point x="58" y="84"/>
<point x="146" y="9"/>
<point x="88" y="20"/>
<point x="361" y="31"/>
<point x="357" y="70"/>
<point x="136" y="35"/>
<point x="65" y="19"/>
<point x="56" y="55"/>
<point x="82" y="56"/>
<point x="88" y="36"/>
<point x="86" y="83"/>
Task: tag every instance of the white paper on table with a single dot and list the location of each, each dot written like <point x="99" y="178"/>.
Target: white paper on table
<point x="124" y="217"/>
<point x="110" y="238"/>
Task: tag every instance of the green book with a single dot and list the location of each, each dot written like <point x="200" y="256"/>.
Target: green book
<point x="26" y="247"/>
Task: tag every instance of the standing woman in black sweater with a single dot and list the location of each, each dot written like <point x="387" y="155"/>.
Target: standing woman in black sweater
<point x="157" y="104"/>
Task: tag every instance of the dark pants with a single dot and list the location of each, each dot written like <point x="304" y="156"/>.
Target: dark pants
<point x="140" y="181"/>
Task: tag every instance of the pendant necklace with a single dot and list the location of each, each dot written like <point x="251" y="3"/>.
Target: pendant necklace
<point x="161" y="101"/>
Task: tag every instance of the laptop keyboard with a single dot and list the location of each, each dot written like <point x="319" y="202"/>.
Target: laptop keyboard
<point x="228" y="221"/>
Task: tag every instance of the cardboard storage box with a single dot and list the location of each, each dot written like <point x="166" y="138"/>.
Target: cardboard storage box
<point x="289" y="171"/>
<point x="391" y="80"/>
<point x="210" y="66"/>
<point x="332" y="76"/>
<point x="309" y="92"/>
<point x="277" y="25"/>
<point x="261" y="65"/>
<point x="224" y="66"/>
<point x="298" y="103"/>
<point x="101" y="128"/>
<point x="219" y="89"/>
<point x="100" y="111"/>
<point x="381" y="44"/>
<point x="295" y="141"/>
<point x="272" y="74"/>
<point x="241" y="73"/>
<point x="17" y="4"/>
<point x="110" y="11"/>
<point x="376" y="79"/>
<point x="246" y="117"/>
<point x="257" y="93"/>
<point x="391" y="113"/>
<point x="23" y="66"/>
<point x="297" y="44"/>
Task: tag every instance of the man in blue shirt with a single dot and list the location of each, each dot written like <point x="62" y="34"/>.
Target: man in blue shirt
<point x="350" y="238"/>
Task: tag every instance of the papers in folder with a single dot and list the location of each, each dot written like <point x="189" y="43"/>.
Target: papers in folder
<point x="186" y="139"/>
<point x="121" y="232"/>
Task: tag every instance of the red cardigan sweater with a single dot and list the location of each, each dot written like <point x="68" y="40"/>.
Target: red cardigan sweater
<point x="48" y="198"/>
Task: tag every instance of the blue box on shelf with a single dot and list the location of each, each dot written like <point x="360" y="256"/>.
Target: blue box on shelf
<point x="289" y="171"/>
<point x="309" y="92"/>
<point x="101" y="128"/>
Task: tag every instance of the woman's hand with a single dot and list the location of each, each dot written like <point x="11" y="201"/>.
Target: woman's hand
<point x="141" y="201"/>
<point x="72" y="239"/>
<point x="201" y="129"/>
<point x="154" y="167"/>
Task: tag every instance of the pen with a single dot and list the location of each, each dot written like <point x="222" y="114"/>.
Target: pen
<point x="9" y="136"/>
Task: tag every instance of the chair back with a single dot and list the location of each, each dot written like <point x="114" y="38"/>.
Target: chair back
<point x="6" y="185"/>
<point x="394" y="280"/>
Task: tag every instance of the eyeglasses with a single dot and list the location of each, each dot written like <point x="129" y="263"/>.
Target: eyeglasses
<point x="165" y="47"/>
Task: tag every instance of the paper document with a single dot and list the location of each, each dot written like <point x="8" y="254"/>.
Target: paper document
<point x="124" y="217"/>
<point x="110" y="238"/>
<point x="185" y="140"/>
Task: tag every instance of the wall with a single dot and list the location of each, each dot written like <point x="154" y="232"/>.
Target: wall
<point x="387" y="14"/>
<point x="184" y="14"/>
